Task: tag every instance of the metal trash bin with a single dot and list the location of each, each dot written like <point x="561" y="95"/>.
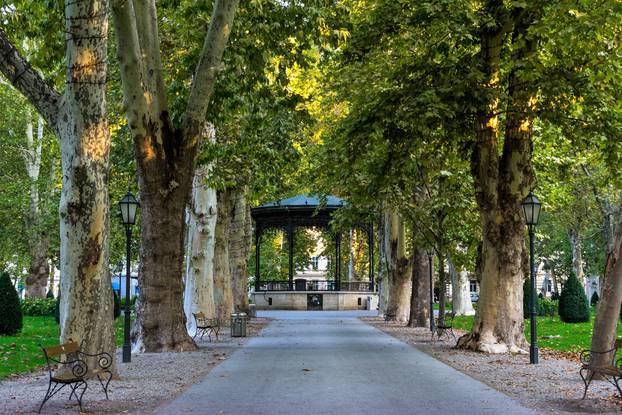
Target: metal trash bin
<point x="238" y="324"/>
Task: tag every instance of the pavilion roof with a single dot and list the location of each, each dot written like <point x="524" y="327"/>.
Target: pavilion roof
<point x="310" y="200"/>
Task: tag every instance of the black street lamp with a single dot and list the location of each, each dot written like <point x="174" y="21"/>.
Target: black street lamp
<point x="129" y="207"/>
<point x="531" y="211"/>
<point x="430" y="266"/>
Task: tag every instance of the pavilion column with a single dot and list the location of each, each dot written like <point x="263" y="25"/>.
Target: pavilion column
<point x="290" y="239"/>
<point x="337" y="261"/>
<point x="257" y="258"/>
<point x="371" y="256"/>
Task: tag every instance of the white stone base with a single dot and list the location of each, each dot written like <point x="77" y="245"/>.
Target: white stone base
<point x="331" y="300"/>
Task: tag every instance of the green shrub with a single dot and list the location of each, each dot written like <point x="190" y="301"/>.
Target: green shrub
<point x="11" y="319"/>
<point x="594" y="300"/>
<point x="573" y="305"/>
<point x="38" y="306"/>
<point x="549" y="307"/>
<point x="117" y="305"/>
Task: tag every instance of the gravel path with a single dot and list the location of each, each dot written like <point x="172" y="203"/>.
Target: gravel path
<point x="551" y="387"/>
<point x="148" y="381"/>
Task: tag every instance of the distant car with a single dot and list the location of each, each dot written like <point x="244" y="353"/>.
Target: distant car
<point x="474" y="297"/>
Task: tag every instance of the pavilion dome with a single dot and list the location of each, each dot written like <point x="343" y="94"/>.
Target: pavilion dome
<point x="310" y="200"/>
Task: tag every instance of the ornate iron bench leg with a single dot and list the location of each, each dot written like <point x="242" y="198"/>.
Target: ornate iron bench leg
<point x="616" y="380"/>
<point x="82" y="394"/>
<point x="105" y="385"/>
<point x="586" y="380"/>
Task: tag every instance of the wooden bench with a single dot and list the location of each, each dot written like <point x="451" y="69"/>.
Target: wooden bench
<point x="611" y="372"/>
<point x="205" y="326"/>
<point x="67" y="365"/>
<point x="446" y="328"/>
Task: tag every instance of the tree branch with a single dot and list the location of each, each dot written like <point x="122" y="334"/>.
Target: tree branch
<point x="28" y="81"/>
<point x="128" y="52"/>
<point x="207" y="68"/>
<point x="146" y="18"/>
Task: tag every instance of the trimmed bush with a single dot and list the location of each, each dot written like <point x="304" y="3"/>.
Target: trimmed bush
<point x="573" y="305"/>
<point x="11" y="320"/>
<point x="38" y="306"/>
<point x="594" y="300"/>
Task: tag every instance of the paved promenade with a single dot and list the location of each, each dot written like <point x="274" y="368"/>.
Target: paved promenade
<point x="313" y="363"/>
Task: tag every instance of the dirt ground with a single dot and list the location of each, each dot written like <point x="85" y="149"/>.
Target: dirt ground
<point x="551" y="387"/>
<point x="148" y="381"/>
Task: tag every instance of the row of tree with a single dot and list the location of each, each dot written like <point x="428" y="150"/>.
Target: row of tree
<point x="433" y="119"/>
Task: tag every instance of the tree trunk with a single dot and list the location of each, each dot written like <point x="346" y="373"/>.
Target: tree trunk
<point x="577" y="255"/>
<point x="383" y="292"/>
<point x="166" y="156"/>
<point x="460" y="294"/>
<point x="86" y="305"/>
<point x="398" y="275"/>
<point x="605" y="326"/>
<point x="199" y="287"/>
<point x="442" y="287"/>
<point x="420" y="294"/>
<point x="501" y="185"/>
<point x="351" y="256"/>
<point x="223" y="286"/>
<point x="240" y="240"/>
<point x="39" y="270"/>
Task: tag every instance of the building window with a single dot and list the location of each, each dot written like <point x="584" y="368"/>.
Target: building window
<point x="549" y="286"/>
<point x="473" y="286"/>
<point x="314" y="263"/>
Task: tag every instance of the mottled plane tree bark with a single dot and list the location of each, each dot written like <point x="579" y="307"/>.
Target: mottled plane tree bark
<point x="78" y="118"/>
<point x="502" y="179"/>
<point x="166" y="157"/>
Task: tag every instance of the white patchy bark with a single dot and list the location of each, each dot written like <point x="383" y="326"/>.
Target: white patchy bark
<point x="351" y="256"/>
<point x="39" y="269"/>
<point x="398" y="266"/>
<point x="86" y="305"/>
<point x="460" y="294"/>
<point x="605" y="325"/>
<point x="79" y="120"/>
<point x="199" y="288"/>
<point x="223" y="287"/>
<point x="240" y="239"/>
<point x="577" y="255"/>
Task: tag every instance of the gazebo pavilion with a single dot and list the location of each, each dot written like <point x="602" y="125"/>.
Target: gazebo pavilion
<point x="307" y="211"/>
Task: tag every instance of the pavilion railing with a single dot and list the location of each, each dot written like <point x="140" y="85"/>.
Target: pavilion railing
<point x="303" y="285"/>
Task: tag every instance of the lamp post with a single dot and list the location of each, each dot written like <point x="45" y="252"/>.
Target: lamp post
<point x="129" y="207"/>
<point x="531" y="211"/>
<point x="430" y="266"/>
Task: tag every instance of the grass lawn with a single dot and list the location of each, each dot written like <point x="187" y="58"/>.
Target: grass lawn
<point x="552" y="332"/>
<point x="21" y="353"/>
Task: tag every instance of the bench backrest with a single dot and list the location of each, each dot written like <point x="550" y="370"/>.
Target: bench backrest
<point x="202" y="320"/>
<point x="65" y="348"/>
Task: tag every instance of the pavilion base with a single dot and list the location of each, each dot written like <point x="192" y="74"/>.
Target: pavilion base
<point x="315" y="300"/>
